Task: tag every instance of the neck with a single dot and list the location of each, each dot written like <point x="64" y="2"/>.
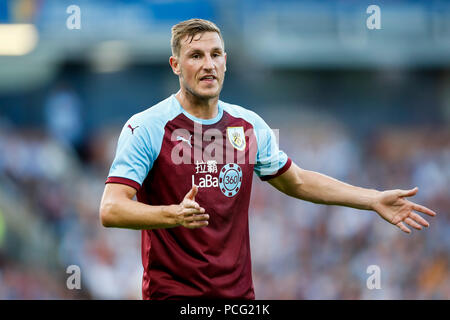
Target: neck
<point x="196" y="106"/>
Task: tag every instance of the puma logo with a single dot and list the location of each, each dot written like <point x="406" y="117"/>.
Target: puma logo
<point x="180" y="138"/>
<point x="132" y="129"/>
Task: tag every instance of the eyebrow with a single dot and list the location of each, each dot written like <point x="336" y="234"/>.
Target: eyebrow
<point x="192" y="51"/>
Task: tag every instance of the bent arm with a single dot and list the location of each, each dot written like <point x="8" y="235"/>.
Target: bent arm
<point x="119" y="210"/>
<point x="319" y="188"/>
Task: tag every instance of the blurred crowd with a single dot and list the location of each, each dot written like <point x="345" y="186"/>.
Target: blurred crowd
<point x="51" y="185"/>
<point x="57" y="185"/>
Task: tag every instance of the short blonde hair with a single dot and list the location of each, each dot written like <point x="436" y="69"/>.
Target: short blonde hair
<point x="191" y="28"/>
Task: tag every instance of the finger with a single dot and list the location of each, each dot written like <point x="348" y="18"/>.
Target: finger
<point x="419" y="219"/>
<point x="399" y="218"/>
<point x="191" y="211"/>
<point x="197" y="217"/>
<point x="413" y="224"/>
<point x="192" y="193"/>
<point x="197" y="224"/>
<point x="403" y="227"/>
<point x="190" y="204"/>
<point x="423" y="209"/>
<point x="409" y="193"/>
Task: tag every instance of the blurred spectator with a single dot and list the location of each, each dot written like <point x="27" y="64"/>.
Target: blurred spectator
<point x="63" y="115"/>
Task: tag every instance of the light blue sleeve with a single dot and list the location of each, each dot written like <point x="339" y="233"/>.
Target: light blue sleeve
<point x="135" y="152"/>
<point x="270" y="160"/>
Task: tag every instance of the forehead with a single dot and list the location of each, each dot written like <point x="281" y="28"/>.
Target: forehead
<point x="202" y="41"/>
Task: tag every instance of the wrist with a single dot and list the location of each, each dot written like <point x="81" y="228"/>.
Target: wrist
<point x="170" y="213"/>
<point x="373" y="200"/>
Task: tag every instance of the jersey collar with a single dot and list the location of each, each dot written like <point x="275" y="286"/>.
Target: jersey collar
<point x="199" y="120"/>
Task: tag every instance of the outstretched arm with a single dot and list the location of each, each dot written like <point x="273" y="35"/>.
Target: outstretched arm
<point x="391" y="205"/>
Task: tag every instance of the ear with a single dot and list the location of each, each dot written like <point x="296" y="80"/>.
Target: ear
<point x="175" y="65"/>
<point x="225" y="56"/>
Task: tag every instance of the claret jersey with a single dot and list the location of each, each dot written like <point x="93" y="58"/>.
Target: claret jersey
<point x="162" y="152"/>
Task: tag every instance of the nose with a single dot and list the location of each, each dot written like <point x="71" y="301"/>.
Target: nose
<point x="208" y="63"/>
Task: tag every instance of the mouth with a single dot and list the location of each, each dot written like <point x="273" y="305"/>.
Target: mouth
<point x="208" y="78"/>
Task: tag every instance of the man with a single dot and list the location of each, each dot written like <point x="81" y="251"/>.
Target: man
<point x="190" y="161"/>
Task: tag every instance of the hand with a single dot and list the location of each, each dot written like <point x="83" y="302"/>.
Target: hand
<point x="392" y="206"/>
<point x="188" y="213"/>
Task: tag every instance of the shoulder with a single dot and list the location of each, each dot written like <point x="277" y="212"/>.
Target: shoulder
<point x="157" y="115"/>
<point x="244" y="113"/>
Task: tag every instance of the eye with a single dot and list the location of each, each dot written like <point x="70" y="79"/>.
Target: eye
<point x="195" y="56"/>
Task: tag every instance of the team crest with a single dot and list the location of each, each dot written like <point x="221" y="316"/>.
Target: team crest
<point x="236" y="137"/>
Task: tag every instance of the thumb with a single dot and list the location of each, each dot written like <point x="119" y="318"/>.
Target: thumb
<point x="192" y="193"/>
<point x="408" y="193"/>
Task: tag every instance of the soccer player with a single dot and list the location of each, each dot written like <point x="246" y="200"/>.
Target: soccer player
<point x="190" y="159"/>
